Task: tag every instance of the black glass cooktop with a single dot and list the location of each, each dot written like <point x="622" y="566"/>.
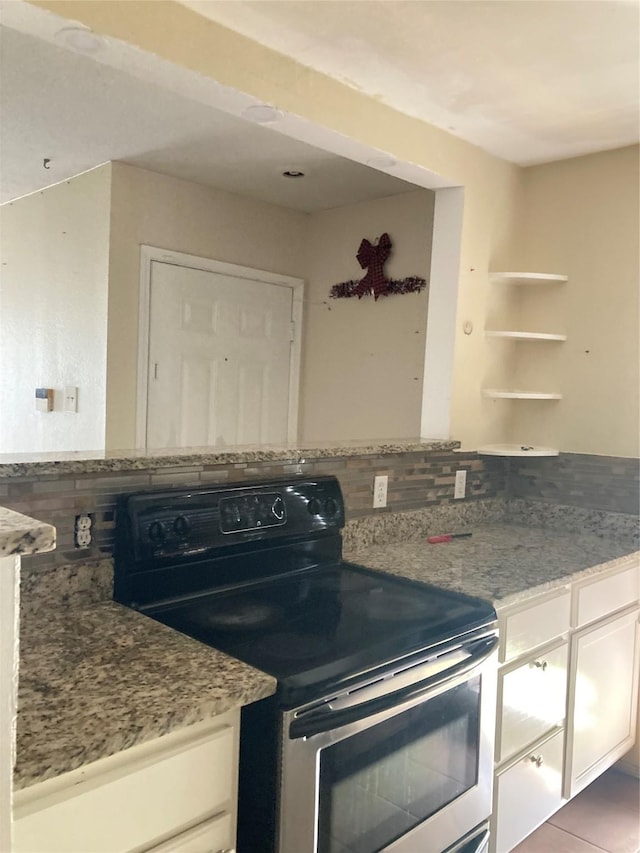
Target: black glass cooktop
<point x="325" y="626"/>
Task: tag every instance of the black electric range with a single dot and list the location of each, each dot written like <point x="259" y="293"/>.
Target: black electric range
<point x="255" y="570"/>
<point x="371" y="669"/>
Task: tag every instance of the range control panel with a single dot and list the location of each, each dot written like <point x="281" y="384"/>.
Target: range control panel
<point x="153" y="526"/>
<point x="249" y="512"/>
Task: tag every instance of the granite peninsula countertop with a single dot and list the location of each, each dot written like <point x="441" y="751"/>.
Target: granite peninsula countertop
<point x="502" y="563"/>
<point x="20" y="534"/>
<point x="89" y="462"/>
<point x="99" y="680"/>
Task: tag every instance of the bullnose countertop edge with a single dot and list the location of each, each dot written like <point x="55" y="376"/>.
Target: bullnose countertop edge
<point x="46" y="464"/>
<point x="20" y="534"/>
<point x="106" y="678"/>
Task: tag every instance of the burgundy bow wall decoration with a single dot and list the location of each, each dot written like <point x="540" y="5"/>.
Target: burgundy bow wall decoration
<point x="373" y="257"/>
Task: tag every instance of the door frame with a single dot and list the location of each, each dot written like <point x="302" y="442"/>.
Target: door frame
<point x="148" y="254"/>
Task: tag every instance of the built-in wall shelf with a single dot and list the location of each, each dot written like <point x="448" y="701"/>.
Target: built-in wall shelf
<point x="528" y="277"/>
<point x="524" y="336"/>
<point x="525" y="278"/>
<point x="499" y="394"/>
<point x="516" y="450"/>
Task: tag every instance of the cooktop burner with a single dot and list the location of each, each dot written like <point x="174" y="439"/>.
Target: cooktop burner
<point x="245" y="615"/>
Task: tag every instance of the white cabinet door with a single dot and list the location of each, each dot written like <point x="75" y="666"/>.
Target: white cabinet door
<point x="602" y="709"/>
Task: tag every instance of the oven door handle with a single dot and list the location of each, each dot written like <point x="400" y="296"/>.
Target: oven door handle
<point x="327" y="718"/>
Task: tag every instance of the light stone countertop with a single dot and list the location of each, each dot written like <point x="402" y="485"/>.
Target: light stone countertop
<point x="502" y="563"/>
<point x="20" y="534"/>
<point x="99" y="680"/>
<point x="88" y="462"/>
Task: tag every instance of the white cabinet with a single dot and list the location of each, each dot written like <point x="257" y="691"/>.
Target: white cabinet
<point x="534" y="623"/>
<point x="567" y="696"/>
<point x="212" y="836"/>
<point x="528" y="791"/>
<point x="532" y="690"/>
<point x="532" y="698"/>
<point x="602" y="698"/>
<point x="177" y="793"/>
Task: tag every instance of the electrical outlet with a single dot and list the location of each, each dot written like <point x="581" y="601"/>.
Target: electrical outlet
<point x="83" y="538"/>
<point x="380" y="490"/>
<point x="460" y="488"/>
<point x="82" y="531"/>
<point x="70" y="398"/>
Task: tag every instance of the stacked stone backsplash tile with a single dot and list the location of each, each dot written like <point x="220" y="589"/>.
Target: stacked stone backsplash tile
<point x="416" y="480"/>
<point x="608" y="483"/>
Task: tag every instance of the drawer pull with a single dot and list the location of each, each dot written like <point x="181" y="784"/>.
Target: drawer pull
<point x="536" y="759"/>
<point x="541" y="664"/>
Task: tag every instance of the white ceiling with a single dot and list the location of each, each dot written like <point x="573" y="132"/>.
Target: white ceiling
<point x="79" y="113"/>
<point x="527" y="80"/>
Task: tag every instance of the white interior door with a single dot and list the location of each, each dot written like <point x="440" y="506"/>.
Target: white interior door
<point x="220" y="361"/>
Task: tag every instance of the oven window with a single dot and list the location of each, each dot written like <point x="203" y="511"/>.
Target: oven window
<point x="379" y="783"/>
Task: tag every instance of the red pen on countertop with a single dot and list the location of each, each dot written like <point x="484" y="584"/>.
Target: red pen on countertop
<point x="446" y="537"/>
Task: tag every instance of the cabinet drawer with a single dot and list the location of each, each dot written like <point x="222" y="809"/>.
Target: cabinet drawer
<point x="528" y="793"/>
<point x="534" y="624"/>
<point x="209" y="837"/>
<point x="532" y="700"/>
<point x="133" y="799"/>
<point x="597" y="598"/>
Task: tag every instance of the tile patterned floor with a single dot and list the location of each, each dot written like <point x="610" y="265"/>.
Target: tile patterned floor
<point x="604" y="818"/>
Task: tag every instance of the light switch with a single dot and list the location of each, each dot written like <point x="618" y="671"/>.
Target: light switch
<point x="44" y="399"/>
<point x="70" y="398"/>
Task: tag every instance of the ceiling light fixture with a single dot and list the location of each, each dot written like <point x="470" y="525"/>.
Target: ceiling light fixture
<point x="262" y="114"/>
<point x="81" y="40"/>
<point x="293" y="173"/>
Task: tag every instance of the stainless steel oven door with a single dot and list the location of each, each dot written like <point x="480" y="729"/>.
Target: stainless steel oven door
<point x="401" y="764"/>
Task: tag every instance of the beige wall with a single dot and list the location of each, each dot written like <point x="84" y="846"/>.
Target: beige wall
<point x="492" y="187"/>
<point x="363" y="360"/>
<point x="53" y="306"/>
<point x="168" y="213"/>
<point x="569" y="224"/>
<point x="581" y="219"/>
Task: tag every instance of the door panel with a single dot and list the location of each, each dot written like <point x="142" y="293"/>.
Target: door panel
<point x="220" y="354"/>
<point x="601" y="716"/>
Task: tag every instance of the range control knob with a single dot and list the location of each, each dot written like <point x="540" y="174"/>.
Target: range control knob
<point x="277" y="508"/>
<point x="181" y="526"/>
<point x="314" y="507"/>
<point x="156" y="532"/>
<point x="331" y="507"/>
